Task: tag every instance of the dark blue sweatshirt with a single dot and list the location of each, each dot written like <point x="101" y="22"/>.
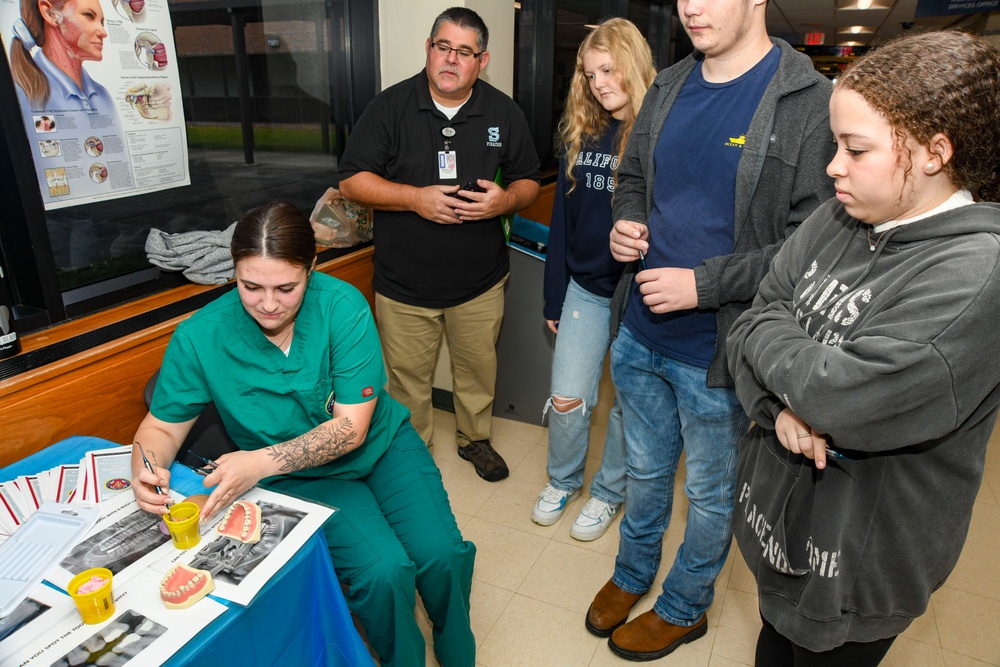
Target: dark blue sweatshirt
<point x="579" y="244"/>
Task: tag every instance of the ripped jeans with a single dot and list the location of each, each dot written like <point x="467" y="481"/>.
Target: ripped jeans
<point x="581" y="346"/>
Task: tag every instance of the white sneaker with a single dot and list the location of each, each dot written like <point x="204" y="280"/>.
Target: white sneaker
<point x="551" y="504"/>
<point x="594" y="520"/>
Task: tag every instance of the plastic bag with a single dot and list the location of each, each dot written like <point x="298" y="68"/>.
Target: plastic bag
<point x="339" y="222"/>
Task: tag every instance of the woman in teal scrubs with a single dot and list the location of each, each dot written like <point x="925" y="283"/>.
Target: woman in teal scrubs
<point x="293" y="362"/>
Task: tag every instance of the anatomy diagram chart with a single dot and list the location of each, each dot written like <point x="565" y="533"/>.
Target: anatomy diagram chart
<point x="96" y="82"/>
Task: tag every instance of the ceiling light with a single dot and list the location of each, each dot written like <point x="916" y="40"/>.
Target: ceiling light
<point x="864" y="4"/>
<point x="855" y="29"/>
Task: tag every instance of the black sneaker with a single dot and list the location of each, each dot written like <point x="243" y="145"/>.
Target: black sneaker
<point x="489" y="465"/>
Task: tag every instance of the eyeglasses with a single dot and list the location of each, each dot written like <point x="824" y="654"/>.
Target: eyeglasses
<point x="463" y="54"/>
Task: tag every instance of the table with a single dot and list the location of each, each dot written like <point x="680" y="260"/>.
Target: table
<point x="298" y="619"/>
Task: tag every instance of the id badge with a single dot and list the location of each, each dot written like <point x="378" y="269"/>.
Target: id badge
<point x="447" y="167"/>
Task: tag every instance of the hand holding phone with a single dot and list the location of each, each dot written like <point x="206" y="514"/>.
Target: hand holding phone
<point x="470" y="186"/>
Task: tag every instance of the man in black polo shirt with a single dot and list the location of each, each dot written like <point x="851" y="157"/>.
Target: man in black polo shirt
<point x="440" y="157"/>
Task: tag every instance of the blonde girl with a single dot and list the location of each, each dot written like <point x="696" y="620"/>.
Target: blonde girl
<point x="614" y="67"/>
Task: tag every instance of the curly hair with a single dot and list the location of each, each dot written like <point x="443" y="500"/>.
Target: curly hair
<point x="941" y="81"/>
<point x="584" y="117"/>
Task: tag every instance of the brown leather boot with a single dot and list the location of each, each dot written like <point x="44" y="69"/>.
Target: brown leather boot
<point x="649" y="637"/>
<point x="609" y="609"/>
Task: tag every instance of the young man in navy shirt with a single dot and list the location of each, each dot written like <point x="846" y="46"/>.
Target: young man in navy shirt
<point x="727" y="157"/>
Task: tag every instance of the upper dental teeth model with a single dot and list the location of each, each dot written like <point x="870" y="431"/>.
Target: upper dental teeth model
<point x="241" y="522"/>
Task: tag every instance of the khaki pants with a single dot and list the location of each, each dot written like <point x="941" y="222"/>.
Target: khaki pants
<point x="410" y="339"/>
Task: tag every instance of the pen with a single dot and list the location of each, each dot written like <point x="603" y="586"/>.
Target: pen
<point x="208" y="462"/>
<point x="642" y="260"/>
<point x="838" y="455"/>
<point x="149" y="467"/>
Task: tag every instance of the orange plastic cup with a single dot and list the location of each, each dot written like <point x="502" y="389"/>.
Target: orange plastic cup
<point x="182" y="522"/>
<point x="96" y="606"/>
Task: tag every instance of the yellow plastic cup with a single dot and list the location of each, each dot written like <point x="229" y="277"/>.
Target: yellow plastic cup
<point x="96" y="606"/>
<point x="182" y="522"/>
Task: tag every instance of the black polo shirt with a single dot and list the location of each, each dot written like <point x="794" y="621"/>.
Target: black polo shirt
<point x="398" y="137"/>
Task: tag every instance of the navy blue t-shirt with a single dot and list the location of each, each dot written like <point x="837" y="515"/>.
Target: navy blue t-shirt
<point x="694" y="200"/>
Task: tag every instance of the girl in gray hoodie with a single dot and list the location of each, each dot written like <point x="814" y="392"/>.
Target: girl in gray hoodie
<point x="870" y="360"/>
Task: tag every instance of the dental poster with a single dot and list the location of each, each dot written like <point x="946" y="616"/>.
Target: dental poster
<point x="99" y="93"/>
<point x="129" y="542"/>
<point x="239" y="569"/>
<point x="140" y="632"/>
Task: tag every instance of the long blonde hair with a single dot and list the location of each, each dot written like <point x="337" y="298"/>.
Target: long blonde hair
<point x="584" y="117"/>
<point x="29" y="31"/>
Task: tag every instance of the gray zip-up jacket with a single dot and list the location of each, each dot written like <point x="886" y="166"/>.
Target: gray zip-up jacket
<point x="780" y="180"/>
<point x="894" y="355"/>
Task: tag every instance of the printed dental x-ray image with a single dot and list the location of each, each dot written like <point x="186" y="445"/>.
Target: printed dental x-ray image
<point x="23" y="613"/>
<point x="230" y="560"/>
<point x="115" y="644"/>
<point x="119" y="545"/>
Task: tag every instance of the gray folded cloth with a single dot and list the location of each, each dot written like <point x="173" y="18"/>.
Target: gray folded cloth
<point x="203" y="256"/>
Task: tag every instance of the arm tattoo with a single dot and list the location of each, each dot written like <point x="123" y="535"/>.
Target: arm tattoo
<point x="316" y="447"/>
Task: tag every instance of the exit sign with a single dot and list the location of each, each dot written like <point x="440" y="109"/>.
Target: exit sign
<point x="814" y="38"/>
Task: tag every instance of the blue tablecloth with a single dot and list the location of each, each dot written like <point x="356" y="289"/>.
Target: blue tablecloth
<point x="299" y="619"/>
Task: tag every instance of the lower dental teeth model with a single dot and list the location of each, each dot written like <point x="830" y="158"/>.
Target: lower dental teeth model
<point x="182" y="586"/>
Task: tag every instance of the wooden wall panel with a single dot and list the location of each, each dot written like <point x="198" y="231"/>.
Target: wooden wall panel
<point x="100" y="392"/>
<point x="541" y="210"/>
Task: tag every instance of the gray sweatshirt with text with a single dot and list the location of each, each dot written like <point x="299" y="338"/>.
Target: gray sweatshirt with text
<point x="895" y="355"/>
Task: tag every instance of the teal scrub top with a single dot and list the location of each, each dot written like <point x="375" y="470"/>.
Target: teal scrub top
<point x="220" y="354"/>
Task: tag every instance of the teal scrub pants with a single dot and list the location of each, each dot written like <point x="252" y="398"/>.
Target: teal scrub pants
<point x="395" y="534"/>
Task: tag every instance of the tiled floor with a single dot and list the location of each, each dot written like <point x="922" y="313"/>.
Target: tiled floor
<point x="533" y="584"/>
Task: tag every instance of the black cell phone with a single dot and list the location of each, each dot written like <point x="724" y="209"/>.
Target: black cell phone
<point x="470" y="186"/>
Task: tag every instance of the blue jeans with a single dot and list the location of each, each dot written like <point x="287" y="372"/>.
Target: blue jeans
<point x="667" y="408"/>
<point x="581" y="346"/>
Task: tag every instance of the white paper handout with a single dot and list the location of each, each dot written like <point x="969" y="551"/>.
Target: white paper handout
<point x="31" y="491"/>
<point x="81" y="496"/>
<point x="66" y="482"/>
<point x="140" y="632"/>
<point x="12" y="514"/>
<point x="47" y="484"/>
<point x="241" y="570"/>
<point x="109" y="472"/>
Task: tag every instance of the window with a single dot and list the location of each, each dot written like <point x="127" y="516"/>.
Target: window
<point x="547" y="36"/>
<point x="268" y="89"/>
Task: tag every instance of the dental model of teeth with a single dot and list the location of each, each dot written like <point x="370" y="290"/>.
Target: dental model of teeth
<point x="241" y="522"/>
<point x="182" y="586"/>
